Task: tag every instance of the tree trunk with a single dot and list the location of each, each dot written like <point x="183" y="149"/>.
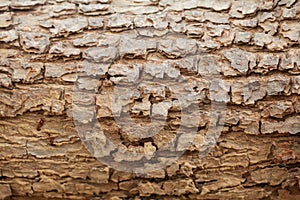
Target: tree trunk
<point x="152" y="99"/>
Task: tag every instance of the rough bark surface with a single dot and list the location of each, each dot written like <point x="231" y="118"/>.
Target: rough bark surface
<point x="253" y="45"/>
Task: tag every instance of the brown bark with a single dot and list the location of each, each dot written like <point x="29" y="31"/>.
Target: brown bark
<point x="59" y="58"/>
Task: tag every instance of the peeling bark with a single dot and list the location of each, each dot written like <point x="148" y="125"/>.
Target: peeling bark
<point x="50" y="47"/>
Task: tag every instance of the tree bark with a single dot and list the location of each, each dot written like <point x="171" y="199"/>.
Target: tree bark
<point x="81" y="82"/>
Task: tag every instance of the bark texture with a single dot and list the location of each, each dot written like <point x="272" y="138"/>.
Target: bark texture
<point x="253" y="45"/>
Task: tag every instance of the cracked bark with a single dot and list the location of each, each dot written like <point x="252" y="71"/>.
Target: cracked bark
<point x="253" y="45"/>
